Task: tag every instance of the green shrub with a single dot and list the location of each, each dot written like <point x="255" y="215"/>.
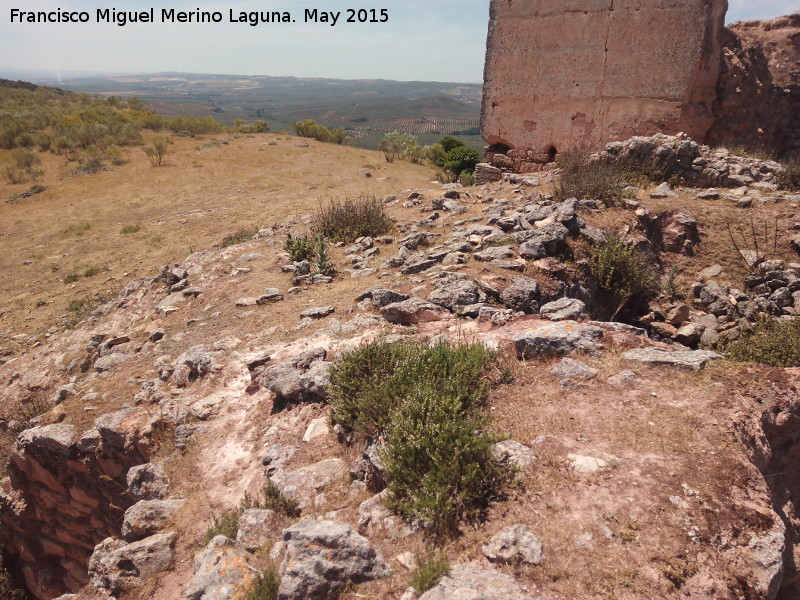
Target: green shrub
<point x="772" y="342"/>
<point x="448" y="143"/>
<point x="157" y="150"/>
<point x="266" y="585"/>
<point x="426" y="402"/>
<point x="243" y="235"/>
<point x="351" y="220"/>
<point x="399" y="145"/>
<point x="71" y="278"/>
<point x="621" y="272"/>
<point x="370" y="382"/>
<point x="128" y="229"/>
<point x="298" y="248"/>
<point x="226" y="524"/>
<point x="790" y="179"/>
<point x="461" y="159"/>
<point x="467" y="179"/>
<point x="322" y="260"/>
<point x="430" y="569"/>
<point x="276" y="501"/>
<point x="310" y="129"/>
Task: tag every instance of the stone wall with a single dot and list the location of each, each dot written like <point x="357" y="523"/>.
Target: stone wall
<point x="68" y="492"/>
<point x="574" y="74"/>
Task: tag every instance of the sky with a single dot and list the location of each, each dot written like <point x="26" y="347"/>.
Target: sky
<point x="425" y="40"/>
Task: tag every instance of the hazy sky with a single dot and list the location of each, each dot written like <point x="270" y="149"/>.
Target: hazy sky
<point x="423" y="40"/>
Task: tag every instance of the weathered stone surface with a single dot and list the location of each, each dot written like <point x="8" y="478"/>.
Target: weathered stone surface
<point x="374" y="518"/>
<point x="412" y="311"/>
<point x="222" y="571"/>
<point x="117" y="566"/>
<point x="694" y="360"/>
<point x="301" y="379"/>
<point x="471" y="582"/>
<point x="518" y="454"/>
<point x="522" y="294"/>
<point x="321" y="556"/>
<point x="147" y="517"/>
<point x="48" y="438"/>
<point x="148" y="482"/>
<point x="257" y="526"/>
<point x="451" y="292"/>
<point x="536" y="101"/>
<point x="304" y="483"/>
<point x="570" y="368"/>
<point x="564" y="309"/>
<point x="515" y="544"/>
<point x="543" y="242"/>
<point x="317" y="312"/>
<point x="557" y="339"/>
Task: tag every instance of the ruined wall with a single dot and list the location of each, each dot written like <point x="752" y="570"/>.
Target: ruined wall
<point x="758" y="93"/>
<point x="574" y="74"/>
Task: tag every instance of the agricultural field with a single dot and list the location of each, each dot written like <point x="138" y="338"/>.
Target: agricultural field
<point x="175" y="109"/>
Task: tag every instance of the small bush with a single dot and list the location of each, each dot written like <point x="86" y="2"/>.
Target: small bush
<point x="621" y="272"/>
<point x="14" y="175"/>
<point x="275" y="500"/>
<point x="266" y="585"/>
<point x="243" y="235"/>
<point x="430" y="569"/>
<point x="226" y="524"/>
<point x="298" y="248"/>
<point x="467" y="179"/>
<point x="790" y="179"/>
<point x="71" y="278"/>
<point x="157" y="150"/>
<point x="322" y="260"/>
<point x="772" y="342"/>
<point x="128" y="229"/>
<point x="425" y="401"/>
<point x="75" y="306"/>
<point x="351" y="220"/>
<point x="459" y="160"/>
<point x="369" y="383"/>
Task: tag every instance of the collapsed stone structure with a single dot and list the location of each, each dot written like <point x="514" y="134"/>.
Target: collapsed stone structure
<point x="574" y="75"/>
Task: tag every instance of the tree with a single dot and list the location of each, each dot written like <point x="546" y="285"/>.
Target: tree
<point x="398" y="145"/>
<point x="460" y="159"/>
<point x="448" y="142"/>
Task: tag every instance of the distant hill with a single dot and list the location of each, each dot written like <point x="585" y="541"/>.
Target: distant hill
<point x="366" y="108"/>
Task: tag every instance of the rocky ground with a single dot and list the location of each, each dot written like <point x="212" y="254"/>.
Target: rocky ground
<point x="649" y="465"/>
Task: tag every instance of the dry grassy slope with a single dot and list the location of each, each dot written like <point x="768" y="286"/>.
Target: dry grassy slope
<point x="210" y="187"/>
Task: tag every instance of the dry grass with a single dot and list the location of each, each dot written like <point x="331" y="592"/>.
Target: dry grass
<point x="188" y="205"/>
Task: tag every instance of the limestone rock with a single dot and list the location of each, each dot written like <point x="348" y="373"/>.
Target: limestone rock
<point x="564" y="309"/>
<point x="570" y="368"/>
<point x="522" y="294"/>
<point x="374" y="518"/>
<point x="306" y="482"/>
<point x="318" y="312"/>
<point x="257" y="526"/>
<point x="117" y="566"/>
<point x="147" y="517"/>
<point x="451" y="292"/>
<point x="55" y="439"/>
<point x="557" y="339"/>
<point x="412" y="311"/>
<point x="301" y="379"/>
<point x="148" y="482"/>
<point x="222" y="571"/>
<point x="518" y="454"/>
<point x="322" y="556"/>
<point x="693" y="360"/>
<point x="472" y="582"/>
<point x="663" y="191"/>
<point x="515" y="544"/>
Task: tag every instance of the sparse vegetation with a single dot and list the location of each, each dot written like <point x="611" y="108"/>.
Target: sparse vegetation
<point x="31" y="191"/>
<point x="266" y="585"/>
<point x="789" y="180"/>
<point x="311" y="129"/>
<point x="156" y="151"/>
<point x="351" y="220"/>
<point x="773" y="342"/>
<point x="400" y="145"/>
<point x="298" y="248"/>
<point x="753" y="242"/>
<point x="243" y="235"/>
<point x="227" y="523"/>
<point x="621" y="272"/>
<point x="426" y="401"/>
<point x="431" y="567"/>
<point x="323" y="262"/>
<point x="128" y="229"/>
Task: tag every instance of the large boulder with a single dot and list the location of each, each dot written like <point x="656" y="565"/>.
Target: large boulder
<point x="305" y="483"/>
<point x="564" y="309"/>
<point x="522" y="294"/>
<point x="147" y="517"/>
<point x="222" y="571"/>
<point x="693" y="360"/>
<point x="304" y="378"/>
<point x="117" y="566"/>
<point x="412" y="311"/>
<point x="515" y="544"/>
<point x="148" y="482"/>
<point x="322" y="556"/>
<point x="471" y="582"/>
<point x="455" y="290"/>
<point x="557" y="339"/>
